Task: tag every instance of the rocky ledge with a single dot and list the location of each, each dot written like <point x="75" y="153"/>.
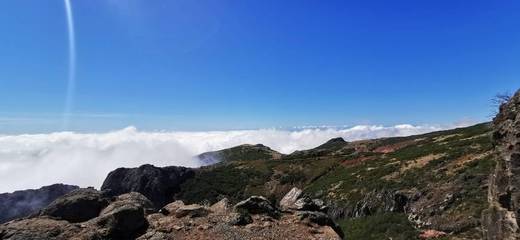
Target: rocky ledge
<point x="501" y="220"/>
<point x="91" y="214"/>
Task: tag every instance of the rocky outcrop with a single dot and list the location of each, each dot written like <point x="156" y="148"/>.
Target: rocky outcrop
<point x="250" y="219"/>
<point x="157" y="184"/>
<point x="257" y="205"/>
<point x="502" y="219"/>
<point x="125" y="217"/>
<point x="77" y="206"/>
<point x="70" y="217"/>
<point x="26" y="202"/>
<point x="377" y="201"/>
<point x="289" y="200"/>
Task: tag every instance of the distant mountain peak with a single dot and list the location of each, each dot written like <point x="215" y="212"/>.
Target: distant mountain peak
<point x="244" y="152"/>
<point x="336" y="140"/>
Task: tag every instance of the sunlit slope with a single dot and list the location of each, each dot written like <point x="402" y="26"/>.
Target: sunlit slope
<point x="431" y="181"/>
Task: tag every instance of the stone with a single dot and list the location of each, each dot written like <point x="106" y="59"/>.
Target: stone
<point x="122" y="219"/>
<point x="256" y="205"/>
<point x="221" y="206"/>
<point x="38" y="228"/>
<point x="171" y="207"/>
<point x="137" y="199"/>
<point x="193" y="210"/>
<point x="290" y="198"/>
<point x="77" y="206"/>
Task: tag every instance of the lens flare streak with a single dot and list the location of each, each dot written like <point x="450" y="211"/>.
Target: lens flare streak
<point x="71" y="80"/>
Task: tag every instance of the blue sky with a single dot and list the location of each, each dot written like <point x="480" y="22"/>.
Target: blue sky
<point x="218" y="64"/>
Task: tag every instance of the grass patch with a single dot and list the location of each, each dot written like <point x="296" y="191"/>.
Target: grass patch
<point x="376" y="227"/>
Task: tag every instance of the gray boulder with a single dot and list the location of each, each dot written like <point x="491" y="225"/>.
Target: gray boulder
<point x="290" y="199"/>
<point x="77" y="206"/>
<point x="123" y="218"/>
<point x="193" y="210"/>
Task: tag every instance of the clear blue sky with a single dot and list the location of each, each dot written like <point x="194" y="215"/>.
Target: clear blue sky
<point x="218" y="64"/>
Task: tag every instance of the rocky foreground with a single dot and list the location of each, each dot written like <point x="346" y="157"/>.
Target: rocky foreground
<point x="91" y="214"/>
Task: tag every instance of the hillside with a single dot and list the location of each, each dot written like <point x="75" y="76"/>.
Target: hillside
<point x="244" y="152"/>
<point x="434" y="185"/>
<point x="393" y="187"/>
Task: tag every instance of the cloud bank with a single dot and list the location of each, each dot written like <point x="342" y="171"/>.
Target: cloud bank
<point x="32" y="161"/>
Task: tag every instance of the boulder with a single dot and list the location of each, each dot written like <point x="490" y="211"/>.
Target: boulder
<point x="77" y="206"/>
<point x="221" y="206"/>
<point x="171" y="207"/>
<point x="123" y="218"/>
<point x="38" y="228"/>
<point x="256" y="205"/>
<point x="159" y="185"/>
<point x="193" y="210"/>
<point x="290" y="198"/>
<point x="137" y="199"/>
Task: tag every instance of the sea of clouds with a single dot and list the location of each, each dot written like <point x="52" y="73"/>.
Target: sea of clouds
<point x="35" y="160"/>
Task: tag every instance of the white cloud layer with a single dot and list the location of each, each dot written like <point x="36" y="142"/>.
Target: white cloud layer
<point x="32" y="161"/>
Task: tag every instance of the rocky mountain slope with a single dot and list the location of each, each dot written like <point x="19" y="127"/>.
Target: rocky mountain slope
<point x="24" y="203"/>
<point x="454" y="184"/>
<point x="395" y="188"/>
<point x="502" y="218"/>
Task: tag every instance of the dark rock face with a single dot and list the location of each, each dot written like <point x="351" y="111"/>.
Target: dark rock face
<point x="77" y="206"/>
<point x="24" y="203"/>
<point x="157" y="184"/>
<point x="501" y="220"/>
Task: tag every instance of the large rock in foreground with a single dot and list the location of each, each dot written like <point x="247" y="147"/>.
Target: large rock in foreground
<point x="157" y="184"/>
<point x="123" y="218"/>
<point x="26" y="202"/>
<point x="77" y="206"/>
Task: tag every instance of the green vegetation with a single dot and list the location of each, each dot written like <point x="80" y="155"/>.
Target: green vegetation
<point x="454" y="162"/>
<point x="225" y="181"/>
<point x="382" y="226"/>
